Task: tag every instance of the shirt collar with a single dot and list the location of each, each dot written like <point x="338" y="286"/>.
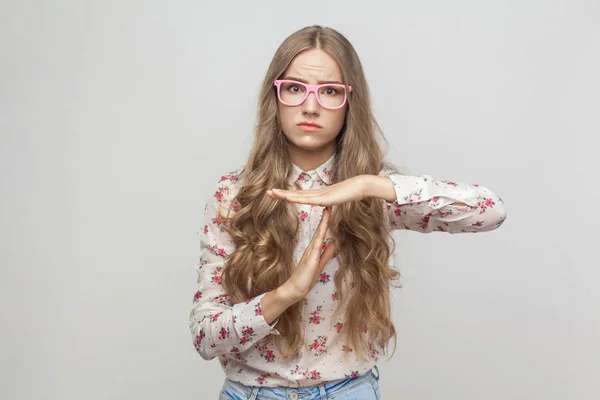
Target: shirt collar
<point x="322" y="172"/>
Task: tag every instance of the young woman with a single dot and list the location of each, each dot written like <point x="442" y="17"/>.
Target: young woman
<point x="294" y="284"/>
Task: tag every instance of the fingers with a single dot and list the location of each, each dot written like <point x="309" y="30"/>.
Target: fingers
<point x="319" y="236"/>
<point x="313" y="250"/>
<point x="328" y="254"/>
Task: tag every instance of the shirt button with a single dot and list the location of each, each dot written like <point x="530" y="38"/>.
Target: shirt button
<point x="293" y="396"/>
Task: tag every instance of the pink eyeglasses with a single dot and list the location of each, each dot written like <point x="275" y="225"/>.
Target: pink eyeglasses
<point x="329" y="95"/>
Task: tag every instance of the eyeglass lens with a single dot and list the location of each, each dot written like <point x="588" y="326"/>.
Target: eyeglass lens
<point x="293" y="93"/>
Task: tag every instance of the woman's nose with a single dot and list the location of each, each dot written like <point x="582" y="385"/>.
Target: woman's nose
<point x="311" y="105"/>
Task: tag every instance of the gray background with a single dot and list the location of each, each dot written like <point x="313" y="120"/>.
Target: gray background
<point x="118" y="117"/>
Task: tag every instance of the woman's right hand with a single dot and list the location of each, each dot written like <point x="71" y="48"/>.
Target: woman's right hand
<point x="312" y="263"/>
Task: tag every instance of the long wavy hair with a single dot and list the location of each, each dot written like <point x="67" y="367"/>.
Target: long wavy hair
<point x="264" y="230"/>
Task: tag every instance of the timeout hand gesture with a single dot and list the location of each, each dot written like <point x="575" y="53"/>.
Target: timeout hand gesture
<point x="309" y="269"/>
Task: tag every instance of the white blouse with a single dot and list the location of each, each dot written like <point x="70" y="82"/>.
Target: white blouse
<point x="231" y="332"/>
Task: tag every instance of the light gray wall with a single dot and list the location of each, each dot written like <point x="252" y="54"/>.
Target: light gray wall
<point x="117" y="117"/>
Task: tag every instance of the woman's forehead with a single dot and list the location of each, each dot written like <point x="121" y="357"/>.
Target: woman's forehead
<point x="314" y="65"/>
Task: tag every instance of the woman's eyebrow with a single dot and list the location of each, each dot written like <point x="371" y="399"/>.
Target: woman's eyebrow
<point x="292" y="78"/>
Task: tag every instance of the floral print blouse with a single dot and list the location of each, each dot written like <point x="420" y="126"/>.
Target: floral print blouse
<point x="231" y="332"/>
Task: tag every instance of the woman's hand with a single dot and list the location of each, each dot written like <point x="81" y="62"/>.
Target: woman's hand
<point x="309" y="269"/>
<point x="352" y="189"/>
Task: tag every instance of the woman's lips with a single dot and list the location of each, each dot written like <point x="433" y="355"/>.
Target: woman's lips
<point x="309" y="128"/>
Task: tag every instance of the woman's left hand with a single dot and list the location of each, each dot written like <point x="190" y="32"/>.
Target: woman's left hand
<point x="352" y="189"/>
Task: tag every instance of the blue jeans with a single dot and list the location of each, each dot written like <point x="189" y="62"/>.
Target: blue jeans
<point x="363" y="387"/>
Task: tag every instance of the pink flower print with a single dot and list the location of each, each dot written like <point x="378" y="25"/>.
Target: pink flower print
<point x="424" y="222"/>
<point x="414" y="196"/>
<point x="335" y="296"/>
<point x="266" y="353"/>
<point x="234" y="350"/>
<point x="216" y="221"/>
<point x="316" y="319"/>
<point x="223" y="333"/>
<point x="295" y="371"/>
<point x="197" y="296"/>
<point x="231" y="176"/>
<point x="258" y="309"/>
<point x="218" y="251"/>
<point x="450" y="183"/>
<point x="303" y="215"/>
<point x="223" y="299"/>
<point x="263" y="378"/>
<point x="247" y="333"/>
<point x="478" y="223"/>
<point x="338" y="327"/>
<point x="324" y="278"/>
<point x="435" y="199"/>
<point x="205" y="228"/>
<point x="373" y="352"/>
<point x="199" y="338"/>
<point x="485" y="203"/>
<point x="219" y="196"/>
<point x="233" y="318"/>
<point x="216" y="275"/>
<point x="318" y="346"/>
<point x="269" y="356"/>
<point x="235" y="206"/>
<point x="314" y="374"/>
<point x="476" y="185"/>
<point x="214" y="317"/>
<point x="353" y="374"/>
<point x="239" y="358"/>
<point x="304" y="177"/>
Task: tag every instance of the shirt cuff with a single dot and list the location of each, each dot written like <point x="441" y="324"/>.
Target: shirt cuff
<point x="255" y="304"/>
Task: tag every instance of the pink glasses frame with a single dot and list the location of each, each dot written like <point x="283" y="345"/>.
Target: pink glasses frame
<point x="313" y="89"/>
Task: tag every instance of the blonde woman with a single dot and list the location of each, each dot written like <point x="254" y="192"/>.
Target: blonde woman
<point x="293" y="278"/>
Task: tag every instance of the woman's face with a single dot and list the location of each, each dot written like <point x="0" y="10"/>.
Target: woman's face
<point x="312" y="67"/>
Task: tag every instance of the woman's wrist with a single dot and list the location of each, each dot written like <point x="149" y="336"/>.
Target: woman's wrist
<point x="380" y="187"/>
<point x="275" y="302"/>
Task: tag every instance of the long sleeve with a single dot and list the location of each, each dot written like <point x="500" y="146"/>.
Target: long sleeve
<point x="217" y="325"/>
<point x="424" y="204"/>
